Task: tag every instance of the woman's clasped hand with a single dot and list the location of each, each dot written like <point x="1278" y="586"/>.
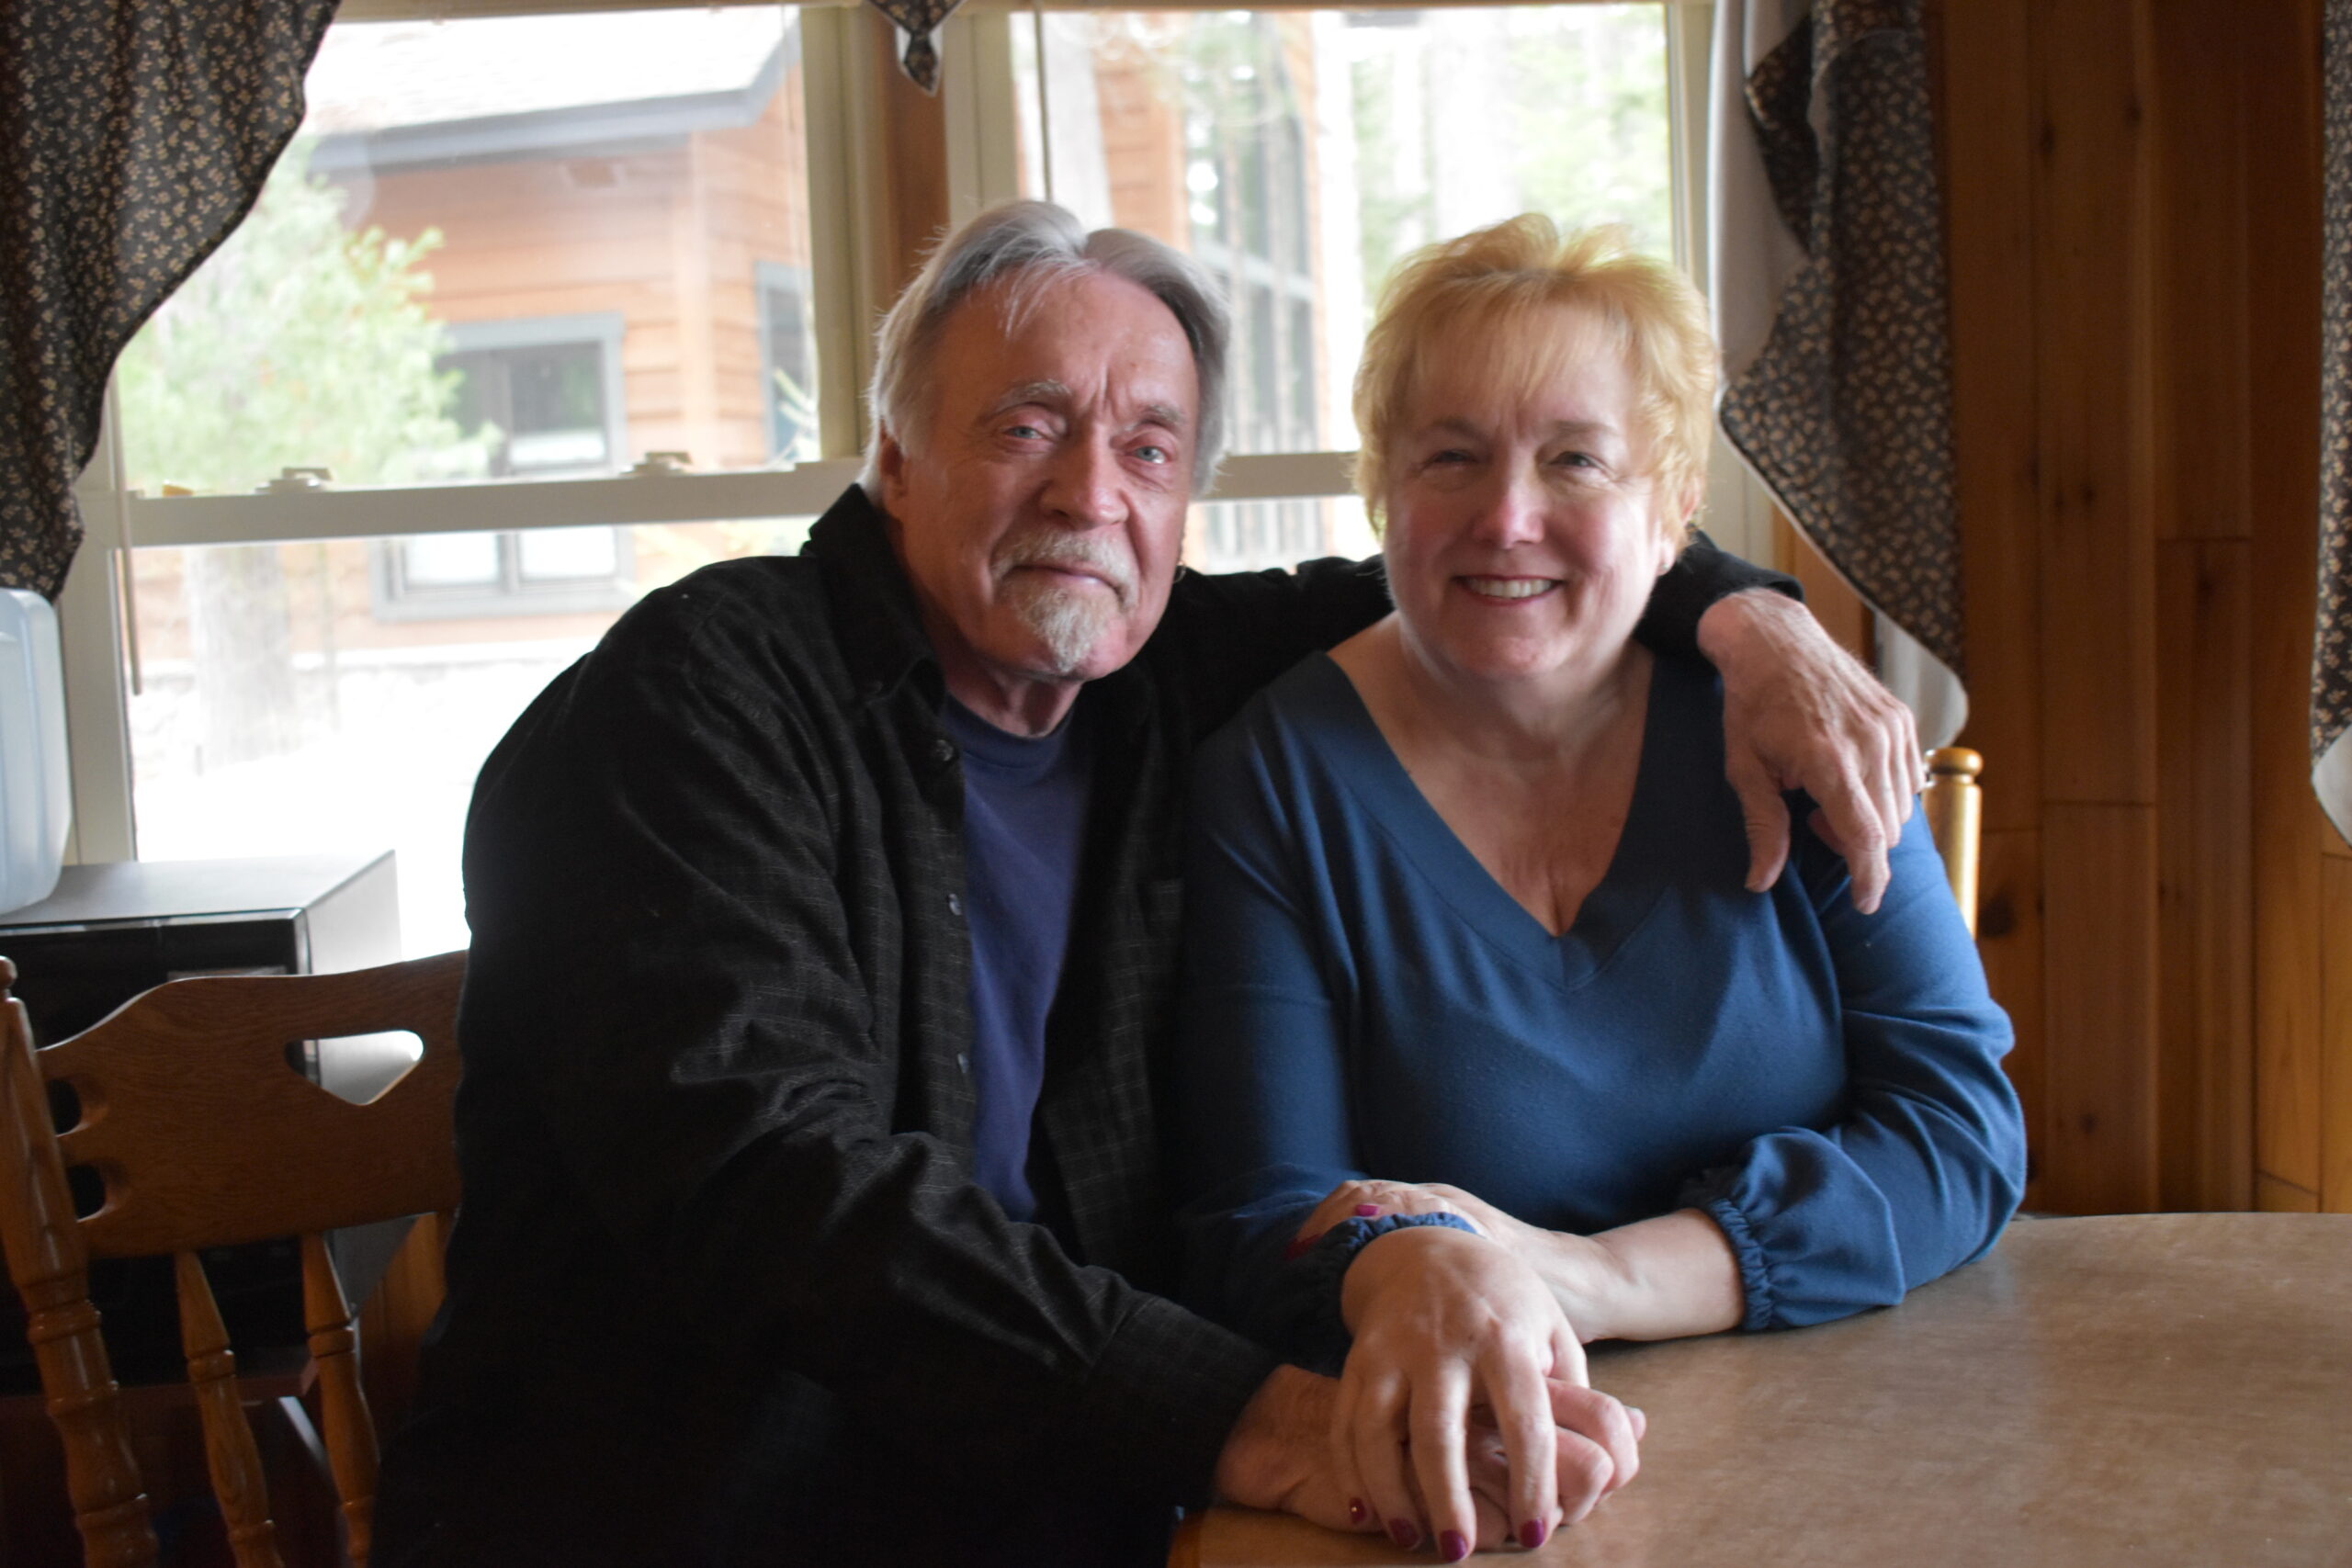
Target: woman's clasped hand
<point x="1462" y="1362"/>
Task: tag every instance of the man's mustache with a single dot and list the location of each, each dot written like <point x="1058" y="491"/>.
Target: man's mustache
<point x="1097" y="555"/>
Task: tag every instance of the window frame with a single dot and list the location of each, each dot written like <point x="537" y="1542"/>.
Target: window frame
<point x="848" y="147"/>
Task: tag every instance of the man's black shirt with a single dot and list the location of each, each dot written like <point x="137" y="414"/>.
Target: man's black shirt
<point x="722" y="1288"/>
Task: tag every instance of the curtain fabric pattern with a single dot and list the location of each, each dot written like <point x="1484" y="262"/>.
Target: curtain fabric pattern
<point x="918" y="20"/>
<point x="2332" y="645"/>
<point x="1828" y="276"/>
<point x="134" y="135"/>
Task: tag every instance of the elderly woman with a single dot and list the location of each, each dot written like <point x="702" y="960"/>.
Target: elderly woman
<point x="1487" y="1049"/>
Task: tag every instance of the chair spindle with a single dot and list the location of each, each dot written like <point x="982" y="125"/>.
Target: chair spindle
<point x="1955" y="808"/>
<point x="229" y="1450"/>
<point x="50" y="1267"/>
<point x="350" y="1434"/>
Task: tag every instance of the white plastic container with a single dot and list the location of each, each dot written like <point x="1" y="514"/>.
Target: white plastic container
<point x="36" y="798"/>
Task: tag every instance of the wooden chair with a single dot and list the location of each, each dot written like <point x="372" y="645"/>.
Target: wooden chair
<point x="1955" y="808"/>
<point x="205" y="1133"/>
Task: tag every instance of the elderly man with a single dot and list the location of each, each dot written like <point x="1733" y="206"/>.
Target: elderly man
<point x="824" y="922"/>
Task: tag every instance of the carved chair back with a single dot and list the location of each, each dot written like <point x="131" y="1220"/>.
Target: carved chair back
<point x="195" y="1115"/>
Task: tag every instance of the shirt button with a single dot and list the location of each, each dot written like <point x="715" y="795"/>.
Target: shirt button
<point x="955" y="904"/>
<point x="963" y="1064"/>
<point x="943" y="752"/>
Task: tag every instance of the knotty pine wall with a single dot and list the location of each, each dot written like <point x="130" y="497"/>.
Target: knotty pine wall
<point x="2134" y="205"/>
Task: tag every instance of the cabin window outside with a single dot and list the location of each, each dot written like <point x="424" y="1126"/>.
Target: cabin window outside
<point x="543" y="395"/>
<point x="1297" y="154"/>
<point x="282" y="715"/>
<point x="788" y="361"/>
<point x="508" y="257"/>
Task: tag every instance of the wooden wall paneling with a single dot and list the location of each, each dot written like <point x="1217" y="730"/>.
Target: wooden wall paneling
<point x="2289" y="970"/>
<point x="1990" y="168"/>
<point x="2272" y="1196"/>
<point x="2099" y="905"/>
<point x="2336" y="1036"/>
<point x="2010" y="939"/>
<point x="2281" y="42"/>
<point x="2205" y="838"/>
<point x="2090" y="312"/>
<point x="2197" y="376"/>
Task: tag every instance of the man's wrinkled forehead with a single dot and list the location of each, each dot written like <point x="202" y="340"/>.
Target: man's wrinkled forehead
<point x="1010" y="316"/>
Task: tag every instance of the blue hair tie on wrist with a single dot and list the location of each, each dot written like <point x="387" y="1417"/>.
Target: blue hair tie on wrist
<point x="1309" y="1285"/>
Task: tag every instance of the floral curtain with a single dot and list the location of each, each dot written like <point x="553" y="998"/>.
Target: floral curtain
<point x="134" y="135"/>
<point x="2332" y="645"/>
<point x="1827" y="273"/>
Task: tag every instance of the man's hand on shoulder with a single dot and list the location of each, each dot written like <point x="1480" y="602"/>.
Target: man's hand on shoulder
<point x="1801" y="713"/>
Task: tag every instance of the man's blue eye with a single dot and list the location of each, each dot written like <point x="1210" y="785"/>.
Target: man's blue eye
<point x="1151" y="453"/>
<point x="1024" y="431"/>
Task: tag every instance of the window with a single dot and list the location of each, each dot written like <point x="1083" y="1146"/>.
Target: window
<point x="1297" y="154"/>
<point x="505" y="258"/>
<point x="511" y="254"/>
<point x="788" y="360"/>
<point x="541" y="398"/>
<point x="544" y="397"/>
<point x="545" y="571"/>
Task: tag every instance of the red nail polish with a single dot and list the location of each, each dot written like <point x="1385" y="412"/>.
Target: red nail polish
<point x="1451" y="1545"/>
<point x="1357" y="1512"/>
<point x="1366" y="1210"/>
<point x="1405" y="1533"/>
<point x="1532" y="1533"/>
<point x="1298" y="1244"/>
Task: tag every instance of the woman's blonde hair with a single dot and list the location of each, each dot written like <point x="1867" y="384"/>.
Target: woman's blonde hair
<point x="1490" y="281"/>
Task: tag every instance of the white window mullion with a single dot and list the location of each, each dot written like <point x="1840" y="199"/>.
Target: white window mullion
<point x="97" y="691"/>
<point x="983" y="110"/>
<point x="329" y="514"/>
<point x="845" y="164"/>
<point x="806" y="490"/>
<point x="1738" y="510"/>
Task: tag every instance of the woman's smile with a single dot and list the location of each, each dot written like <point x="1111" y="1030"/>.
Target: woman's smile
<point x="1509" y="588"/>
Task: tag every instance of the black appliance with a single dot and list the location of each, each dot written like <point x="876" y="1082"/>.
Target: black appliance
<point x="109" y="932"/>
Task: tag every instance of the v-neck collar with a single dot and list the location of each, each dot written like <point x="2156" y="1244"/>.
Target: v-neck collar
<point x="1618" y="906"/>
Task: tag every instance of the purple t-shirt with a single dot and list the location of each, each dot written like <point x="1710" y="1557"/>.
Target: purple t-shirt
<point x="1024" y="823"/>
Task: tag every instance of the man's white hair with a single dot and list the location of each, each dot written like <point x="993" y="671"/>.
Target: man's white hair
<point x="1036" y="244"/>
